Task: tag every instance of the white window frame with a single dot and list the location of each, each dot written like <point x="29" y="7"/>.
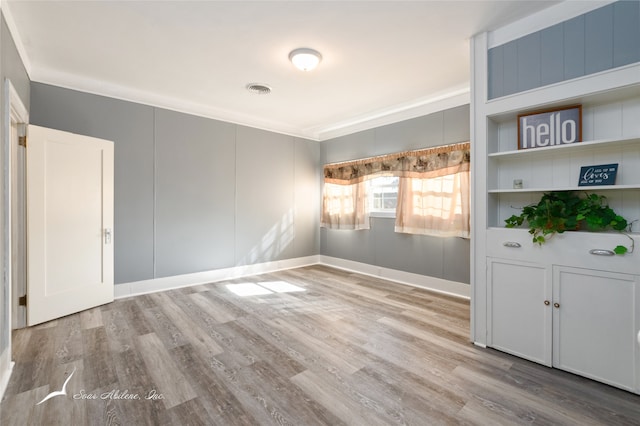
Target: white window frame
<point x="382" y="213"/>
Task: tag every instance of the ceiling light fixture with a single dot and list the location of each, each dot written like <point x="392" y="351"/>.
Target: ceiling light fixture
<point x="305" y="59"/>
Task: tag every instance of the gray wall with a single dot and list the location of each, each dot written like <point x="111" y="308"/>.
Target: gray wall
<point x="194" y="194"/>
<point x="11" y="67"/>
<point x="447" y="258"/>
<point x="602" y="39"/>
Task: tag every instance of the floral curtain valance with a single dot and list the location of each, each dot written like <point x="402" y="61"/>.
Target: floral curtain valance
<point x="423" y="163"/>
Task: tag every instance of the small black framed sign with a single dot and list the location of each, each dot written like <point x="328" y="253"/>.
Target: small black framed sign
<point x="602" y="174"/>
<point x="550" y="127"/>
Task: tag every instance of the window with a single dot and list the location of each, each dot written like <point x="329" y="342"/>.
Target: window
<point x="383" y="194"/>
<point x="426" y="190"/>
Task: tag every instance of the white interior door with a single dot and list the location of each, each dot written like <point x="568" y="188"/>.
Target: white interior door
<point x="69" y="223"/>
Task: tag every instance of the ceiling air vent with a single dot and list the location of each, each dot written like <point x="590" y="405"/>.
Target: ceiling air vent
<point x="260" y="89"/>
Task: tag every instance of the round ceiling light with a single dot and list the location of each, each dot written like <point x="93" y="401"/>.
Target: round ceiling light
<point x="305" y="59"/>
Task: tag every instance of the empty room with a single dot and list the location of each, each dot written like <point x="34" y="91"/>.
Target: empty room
<point x="320" y="212"/>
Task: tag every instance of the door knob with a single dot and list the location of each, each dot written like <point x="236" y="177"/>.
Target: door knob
<point x="107" y="235"/>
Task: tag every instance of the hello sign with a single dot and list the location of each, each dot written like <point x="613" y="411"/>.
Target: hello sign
<point x="560" y="126"/>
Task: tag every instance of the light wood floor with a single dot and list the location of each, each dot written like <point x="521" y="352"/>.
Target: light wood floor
<point x="349" y="349"/>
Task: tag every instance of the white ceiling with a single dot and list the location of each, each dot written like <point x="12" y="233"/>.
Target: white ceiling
<point x="381" y="59"/>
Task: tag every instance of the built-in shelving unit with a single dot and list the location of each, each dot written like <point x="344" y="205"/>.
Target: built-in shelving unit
<point x="530" y="300"/>
<point x="611" y="135"/>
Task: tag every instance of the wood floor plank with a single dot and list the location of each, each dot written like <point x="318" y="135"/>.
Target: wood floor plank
<point x="212" y="307"/>
<point x="134" y="378"/>
<point x="99" y="369"/>
<point x="333" y="400"/>
<point x="37" y="358"/>
<point x="91" y="318"/>
<point x="197" y="336"/>
<point x="164" y="371"/>
<point x="215" y="397"/>
<point x="347" y="349"/>
<point x="535" y="407"/>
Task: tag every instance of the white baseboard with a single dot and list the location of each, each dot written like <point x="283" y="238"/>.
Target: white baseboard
<point x="5" y="374"/>
<point x="439" y="285"/>
<point x="168" y="283"/>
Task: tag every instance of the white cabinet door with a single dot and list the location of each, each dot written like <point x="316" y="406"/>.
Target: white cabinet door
<point x="519" y="309"/>
<point x="596" y="320"/>
<point x="69" y="223"/>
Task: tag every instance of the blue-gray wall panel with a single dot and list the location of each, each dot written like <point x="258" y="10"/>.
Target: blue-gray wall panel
<point x="598" y="32"/>
<point x="416" y="254"/>
<point x="357" y="246"/>
<point x="528" y="61"/>
<point x="457" y="255"/>
<point x="456" y="125"/>
<point x="510" y="68"/>
<point x="417" y="133"/>
<point x="626" y="32"/>
<point x="411" y="133"/>
<point x="381" y="245"/>
<point x="496" y="72"/>
<point x="265" y="192"/>
<point x="350" y="147"/>
<point x="195" y="209"/>
<point x="552" y="54"/>
<point x="307" y="198"/>
<point x="574" y="47"/>
<point x="433" y="128"/>
<point x="130" y="126"/>
<point x="596" y="41"/>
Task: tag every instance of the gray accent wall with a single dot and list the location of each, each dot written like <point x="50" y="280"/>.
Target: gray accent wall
<point x="605" y="38"/>
<point x="446" y="258"/>
<point x="194" y="194"/>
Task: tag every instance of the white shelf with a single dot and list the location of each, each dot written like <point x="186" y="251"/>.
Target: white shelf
<point x="574" y="147"/>
<point x="614" y="84"/>
<point x="568" y="188"/>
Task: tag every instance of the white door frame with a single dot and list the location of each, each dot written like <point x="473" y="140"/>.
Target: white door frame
<point x="14" y="112"/>
<point x="18" y="120"/>
<point x="18" y="218"/>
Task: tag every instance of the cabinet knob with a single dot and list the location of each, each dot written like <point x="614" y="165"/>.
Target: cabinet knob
<point x="511" y="244"/>
<point x="556" y="305"/>
<point x="547" y="303"/>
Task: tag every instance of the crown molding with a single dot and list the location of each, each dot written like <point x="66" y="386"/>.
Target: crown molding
<point x="423" y="106"/>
